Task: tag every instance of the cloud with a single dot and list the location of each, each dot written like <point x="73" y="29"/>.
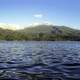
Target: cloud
<point x="9" y="26"/>
<point x="38" y="15"/>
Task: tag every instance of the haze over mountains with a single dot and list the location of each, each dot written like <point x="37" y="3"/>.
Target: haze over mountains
<point x="39" y="32"/>
<point x="18" y="27"/>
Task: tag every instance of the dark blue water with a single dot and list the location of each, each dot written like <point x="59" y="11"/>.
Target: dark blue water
<point x="39" y="60"/>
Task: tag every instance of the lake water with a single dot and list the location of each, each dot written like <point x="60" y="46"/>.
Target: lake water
<point x="39" y="60"/>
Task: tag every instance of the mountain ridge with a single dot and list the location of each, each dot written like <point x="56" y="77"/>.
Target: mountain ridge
<point x="41" y="32"/>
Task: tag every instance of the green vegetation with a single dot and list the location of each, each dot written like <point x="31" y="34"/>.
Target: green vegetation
<point x="41" y="32"/>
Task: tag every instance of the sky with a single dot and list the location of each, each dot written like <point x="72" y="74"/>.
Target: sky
<point x="25" y="12"/>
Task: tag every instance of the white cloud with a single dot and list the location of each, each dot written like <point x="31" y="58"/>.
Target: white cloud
<point x="38" y="15"/>
<point x="9" y="26"/>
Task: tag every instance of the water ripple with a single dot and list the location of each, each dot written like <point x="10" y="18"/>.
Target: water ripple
<point x="42" y="60"/>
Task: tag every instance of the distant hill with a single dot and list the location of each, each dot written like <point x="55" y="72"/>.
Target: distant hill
<point x="41" y="32"/>
<point x="7" y="34"/>
<point x="51" y="32"/>
<point x="48" y="29"/>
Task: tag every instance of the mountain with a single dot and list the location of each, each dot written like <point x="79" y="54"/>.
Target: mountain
<point x="41" y="32"/>
<point x="7" y="34"/>
<point x="47" y="29"/>
<point x="52" y="32"/>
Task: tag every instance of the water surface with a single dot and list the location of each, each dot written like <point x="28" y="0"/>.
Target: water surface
<point x="39" y="60"/>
